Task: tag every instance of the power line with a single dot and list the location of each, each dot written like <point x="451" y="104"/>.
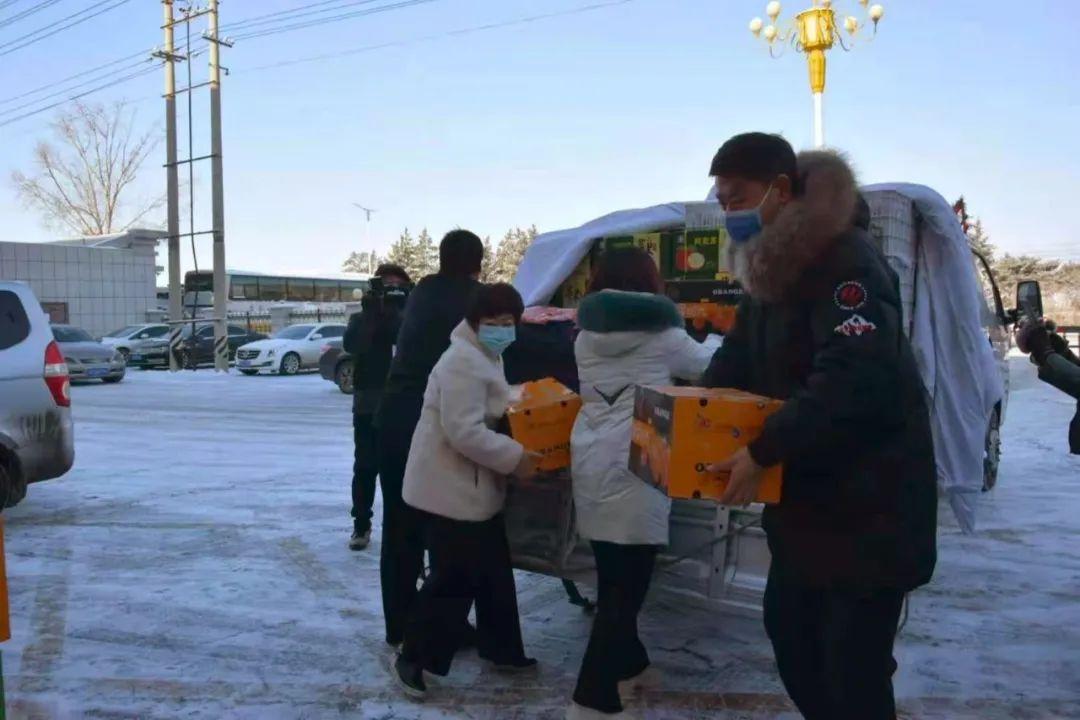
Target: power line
<point x="55" y="83"/>
<point x="6" y="3"/>
<point x="60" y="29"/>
<point x="91" y="81"/>
<point x="292" y="13"/>
<point x="27" y="12"/>
<point x="333" y="18"/>
<point x="118" y="81"/>
<point x="437" y="36"/>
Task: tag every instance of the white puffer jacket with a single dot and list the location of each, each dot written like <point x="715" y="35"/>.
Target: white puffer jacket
<point x="626" y="340"/>
<point x="457" y="462"/>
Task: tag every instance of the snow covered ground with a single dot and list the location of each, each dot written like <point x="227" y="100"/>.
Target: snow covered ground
<point x="194" y="565"/>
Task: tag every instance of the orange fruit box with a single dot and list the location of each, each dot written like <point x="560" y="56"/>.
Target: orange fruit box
<point x="679" y="431"/>
<point x="543" y="419"/>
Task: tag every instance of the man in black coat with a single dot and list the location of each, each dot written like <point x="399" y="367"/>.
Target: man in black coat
<point x="1058" y="366"/>
<point x="370" y="339"/>
<point x="435" y="307"/>
<point x="820" y="328"/>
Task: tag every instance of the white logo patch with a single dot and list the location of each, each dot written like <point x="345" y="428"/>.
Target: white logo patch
<point x="855" y="326"/>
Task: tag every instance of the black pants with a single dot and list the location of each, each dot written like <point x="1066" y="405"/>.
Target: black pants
<point x="470" y="562"/>
<point x="365" y="471"/>
<point x="834" y="648"/>
<point x="615" y="652"/>
<point x="401" y="558"/>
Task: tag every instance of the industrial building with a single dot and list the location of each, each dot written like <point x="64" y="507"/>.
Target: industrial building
<point x="97" y="283"/>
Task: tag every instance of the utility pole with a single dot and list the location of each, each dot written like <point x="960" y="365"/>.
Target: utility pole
<point x="172" y="183"/>
<point x="367" y="233"/>
<point x="221" y="332"/>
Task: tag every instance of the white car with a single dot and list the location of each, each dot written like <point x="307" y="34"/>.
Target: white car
<point x="132" y="337"/>
<point x="288" y="351"/>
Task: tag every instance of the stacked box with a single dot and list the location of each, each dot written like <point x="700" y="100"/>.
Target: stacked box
<point x="657" y="244"/>
<point x="543" y="419"/>
<point x="678" y="432"/>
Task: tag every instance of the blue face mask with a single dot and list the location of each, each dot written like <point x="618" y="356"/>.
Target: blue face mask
<point x="744" y="225"/>
<point x="496" y="338"/>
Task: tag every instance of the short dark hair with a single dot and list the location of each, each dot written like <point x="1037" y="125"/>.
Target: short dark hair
<point x="461" y="253"/>
<point x="392" y="269"/>
<point x="492" y="300"/>
<point x="757" y="156"/>
<point x="630" y="269"/>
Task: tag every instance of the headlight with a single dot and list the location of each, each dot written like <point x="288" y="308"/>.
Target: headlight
<point x="269" y="353"/>
<point x="69" y="361"/>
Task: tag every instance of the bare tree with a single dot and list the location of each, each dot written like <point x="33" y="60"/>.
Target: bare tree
<point x="84" y="178"/>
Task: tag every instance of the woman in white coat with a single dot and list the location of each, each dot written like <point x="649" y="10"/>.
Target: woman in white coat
<point x="630" y="335"/>
<point x="455" y="477"/>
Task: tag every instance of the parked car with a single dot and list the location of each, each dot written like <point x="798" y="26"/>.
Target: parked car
<point x="128" y="338"/>
<point x="289" y="351"/>
<point x="336" y="366"/>
<point x="86" y="358"/>
<point x="36" y="438"/>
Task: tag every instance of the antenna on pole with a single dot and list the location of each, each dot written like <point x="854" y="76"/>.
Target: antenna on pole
<point x="367" y="232"/>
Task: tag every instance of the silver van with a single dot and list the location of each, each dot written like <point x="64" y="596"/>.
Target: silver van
<point x="36" y="436"/>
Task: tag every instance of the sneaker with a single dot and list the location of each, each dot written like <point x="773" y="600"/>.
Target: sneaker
<point x="409" y="677"/>
<point x="359" y="540"/>
<point x="523" y="664"/>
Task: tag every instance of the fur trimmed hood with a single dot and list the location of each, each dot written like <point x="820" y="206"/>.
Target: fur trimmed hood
<point x="610" y="311"/>
<point x="771" y="265"/>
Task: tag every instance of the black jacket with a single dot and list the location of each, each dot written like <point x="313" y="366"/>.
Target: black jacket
<point x="370" y="339"/>
<point x="435" y="307"/>
<point x="1062" y="370"/>
<point x="821" y="328"/>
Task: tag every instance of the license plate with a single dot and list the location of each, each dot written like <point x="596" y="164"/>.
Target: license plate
<point x="244" y="363"/>
<point x="97" y="372"/>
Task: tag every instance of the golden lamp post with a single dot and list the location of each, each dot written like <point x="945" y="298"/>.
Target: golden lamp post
<point x="813" y="32"/>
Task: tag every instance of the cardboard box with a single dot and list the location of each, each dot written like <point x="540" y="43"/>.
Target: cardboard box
<point x="657" y="244"/>
<point x="679" y="431"/>
<point x="543" y="419"/>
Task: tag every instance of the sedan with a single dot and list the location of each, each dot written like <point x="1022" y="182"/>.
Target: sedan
<point x="336" y="366"/>
<point x="132" y="337"/>
<point x="87" y="359"/>
<point x="289" y="350"/>
<point x="198" y="348"/>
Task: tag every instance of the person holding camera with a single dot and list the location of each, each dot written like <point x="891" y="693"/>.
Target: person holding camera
<point x="1058" y="366"/>
<point x="436" y="306"/>
<point x="370" y="339"/>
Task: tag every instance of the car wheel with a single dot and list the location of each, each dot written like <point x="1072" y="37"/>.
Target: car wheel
<point x="250" y="372"/>
<point x="186" y="360"/>
<point x="992" y="456"/>
<point x="290" y="364"/>
<point x="112" y="380"/>
<point x="343" y="376"/>
<point x="12" y="488"/>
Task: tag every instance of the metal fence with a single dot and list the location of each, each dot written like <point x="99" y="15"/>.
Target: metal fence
<point x="254" y="322"/>
<point x="317" y="316"/>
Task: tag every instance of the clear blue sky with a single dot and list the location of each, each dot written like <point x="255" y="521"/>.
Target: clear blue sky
<point x="561" y="120"/>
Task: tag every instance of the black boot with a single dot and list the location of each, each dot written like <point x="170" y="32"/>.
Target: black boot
<point x="410" y="678"/>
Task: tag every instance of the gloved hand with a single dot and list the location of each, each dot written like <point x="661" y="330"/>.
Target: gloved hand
<point x="1035" y="339"/>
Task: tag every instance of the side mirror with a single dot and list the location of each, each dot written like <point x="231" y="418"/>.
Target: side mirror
<point x="316" y="336"/>
<point x="1029" y="299"/>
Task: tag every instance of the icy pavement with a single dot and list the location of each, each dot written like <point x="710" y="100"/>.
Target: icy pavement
<point x="194" y="565"/>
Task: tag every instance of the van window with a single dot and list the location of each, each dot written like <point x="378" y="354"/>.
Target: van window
<point x="14" y="324"/>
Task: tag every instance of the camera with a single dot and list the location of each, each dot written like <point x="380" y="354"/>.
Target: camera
<point x="381" y="292"/>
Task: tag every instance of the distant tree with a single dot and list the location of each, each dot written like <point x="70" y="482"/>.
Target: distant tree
<point x="427" y="255"/>
<point x="973" y="228"/>
<point x="84" y="179"/>
<point x="489" y="259"/>
<point x="362" y="262"/>
<point x="510" y="252"/>
<point x="403" y="253"/>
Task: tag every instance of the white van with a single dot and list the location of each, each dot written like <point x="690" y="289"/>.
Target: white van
<point x="958" y="326"/>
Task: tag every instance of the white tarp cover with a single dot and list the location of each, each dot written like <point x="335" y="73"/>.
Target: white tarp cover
<point x="955" y="358"/>
<point x="951" y="347"/>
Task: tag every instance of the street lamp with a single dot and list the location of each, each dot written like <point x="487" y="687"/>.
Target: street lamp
<point x="813" y="32"/>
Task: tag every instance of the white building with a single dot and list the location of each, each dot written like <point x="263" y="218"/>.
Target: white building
<point x="97" y="283"/>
